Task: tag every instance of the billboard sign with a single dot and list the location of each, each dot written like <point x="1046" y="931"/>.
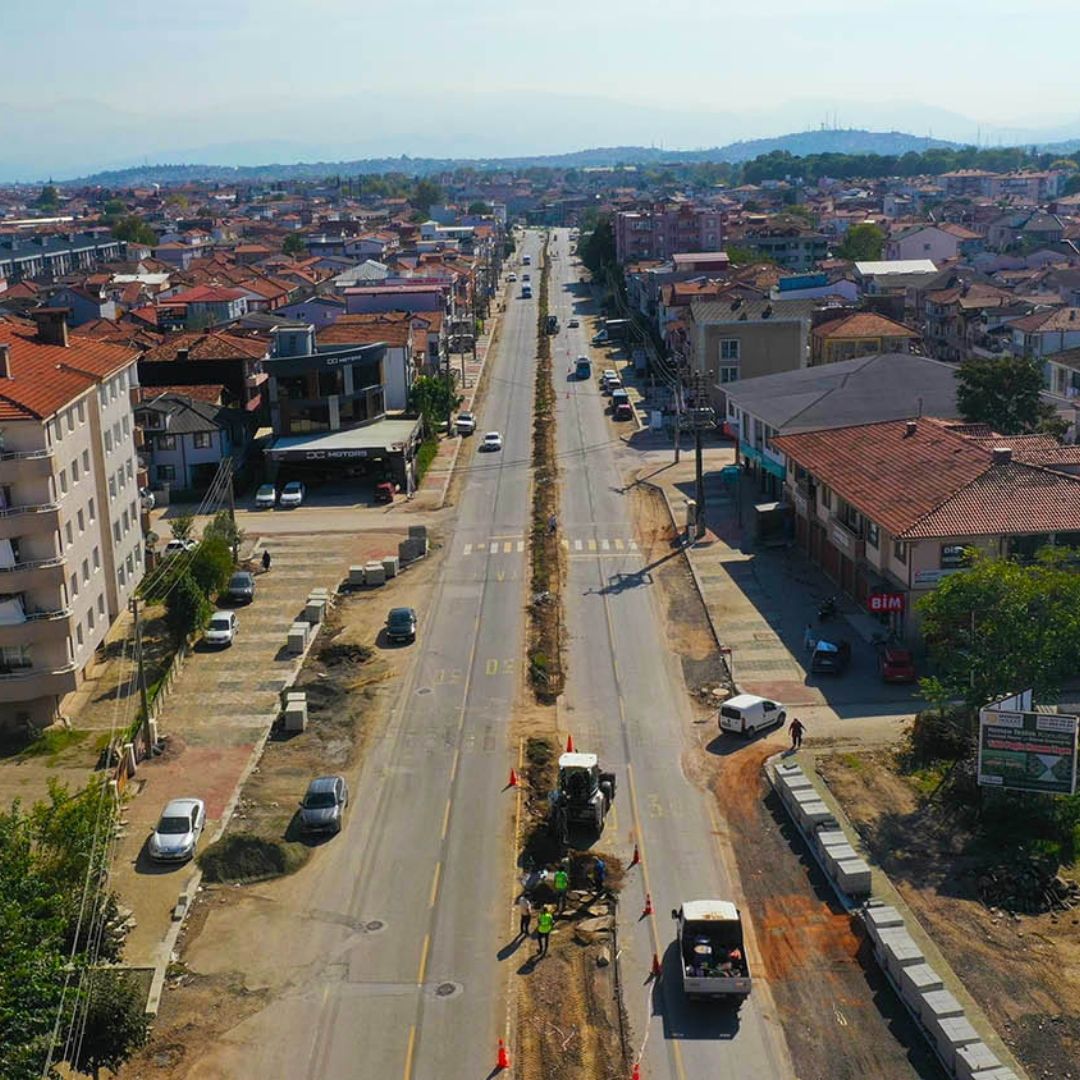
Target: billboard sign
<point x="1027" y="751"/>
<point x="879" y="602"/>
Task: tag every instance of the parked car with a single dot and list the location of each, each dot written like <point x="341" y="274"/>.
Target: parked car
<point x="896" y="664"/>
<point x="601" y="338"/>
<point x="511" y="276"/>
<point x="401" y="624"/>
<point x="323" y="806"/>
<point x="746" y="713"/>
<point x="465" y="423"/>
<point x="241" y="588"/>
<point x="265" y="497"/>
<point x="830" y="657"/>
<point x="492" y="441"/>
<point x="384" y="492"/>
<point x="221" y="630"/>
<point x="178" y="547"/>
<point x="292" y="494"/>
<point x="177" y="832"/>
<point x="573" y="323"/>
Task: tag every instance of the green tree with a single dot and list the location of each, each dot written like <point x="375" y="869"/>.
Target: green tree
<point x="113" y="208"/>
<point x="862" y="243"/>
<point x="186" y="607"/>
<point x="1000" y="627"/>
<point x="479" y="207"/>
<point x="212" y="564"/>
<point x="293" y="244"/>
<point x="1072" y="185"/>
<point x="116" y="1024"/>
<point x="133" y="229"/>
<point x="425" y="195"/>
<point x="1005" y="393"/>
<point x="434" y="399"/>
<point x="181" y="526"/>
<point x="49" y="199"/>
<point x="597" y="248"/>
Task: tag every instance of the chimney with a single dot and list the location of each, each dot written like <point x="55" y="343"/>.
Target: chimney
<point x="1002" y="455"/>
<point x="910" y="428"/>
<point x="5" y="360"/>
<point x="182" y="354"/>
<point x="52" y="328"/>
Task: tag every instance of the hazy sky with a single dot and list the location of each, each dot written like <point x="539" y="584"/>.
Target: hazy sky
<point x="513" y="77"/>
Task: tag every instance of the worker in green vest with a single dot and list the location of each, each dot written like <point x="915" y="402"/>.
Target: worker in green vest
<point x="562" y="884"/>
<point x="545" y="923"/>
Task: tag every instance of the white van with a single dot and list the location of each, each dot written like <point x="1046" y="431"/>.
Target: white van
<point x="746" y="713"/>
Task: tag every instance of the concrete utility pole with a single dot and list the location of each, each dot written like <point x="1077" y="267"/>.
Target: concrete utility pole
<point x="141" y="667"/>
<point x="232" y="512"/>
<point x="704" y="416"/>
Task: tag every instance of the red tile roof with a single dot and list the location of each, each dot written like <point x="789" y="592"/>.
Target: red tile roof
<point x="44" y="378"/>
<point x="204" y="294"/>
<point x="207" y="345"/>
<point x="1064" y="318"/>
<point x="863" y="324"/>
<point x="392" y="327"/>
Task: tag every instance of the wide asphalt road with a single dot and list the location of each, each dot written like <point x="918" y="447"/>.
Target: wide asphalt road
<point x="401" y="918"/>
<point x="625" y="700"/>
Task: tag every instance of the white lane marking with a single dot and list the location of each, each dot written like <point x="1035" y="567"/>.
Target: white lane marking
<point x="618" y="545"/>
<point x="605" y="545"/>
<point x="521" y="545"/>
<point x="494" y="549"/>
<point x="577" y="545"/>
<point x="633" y="545"/>
<point x="468" y="549"/>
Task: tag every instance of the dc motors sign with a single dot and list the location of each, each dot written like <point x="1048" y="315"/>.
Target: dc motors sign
<point x="1028" y="751"/>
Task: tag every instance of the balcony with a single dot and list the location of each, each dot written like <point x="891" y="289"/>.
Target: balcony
<point x="15" y="576"/>
<point x="29" y="508"/>
<point x="26" y="455"/>
<point x="26" y="684"/>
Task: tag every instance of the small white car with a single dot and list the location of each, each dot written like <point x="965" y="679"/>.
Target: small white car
<point x="511" y="276"/>
<point x="221" y="630"/>
<point x="265" y="497"/>
<point x="178" y="547"/>
<point x="178" y="830"/>
<point x="492" y="441"/>
<point x="292" y="494"/>
<point x="465" y="423"/>
<point x="746" y="713"/>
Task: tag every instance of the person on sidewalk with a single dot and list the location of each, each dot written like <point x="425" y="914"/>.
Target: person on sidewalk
<point x="797" y="729"/>
<point x="599" y="874"/>
<point x="545" y="923"/>
<point x="266" y="560"/>
<point x="525" y="911"/>
<point x="562" y="885"/>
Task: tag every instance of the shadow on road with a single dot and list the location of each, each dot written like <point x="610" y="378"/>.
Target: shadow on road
<point x="690" y="1020"/>
<point x="729" y="743"/>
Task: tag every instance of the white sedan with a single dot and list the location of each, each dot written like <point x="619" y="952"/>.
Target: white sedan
<point x="492" y="441"/>
<point x="292" y="494"/>
<point x="179" y="547"/>
<point x="178" y="830"/>
<point x="222" y="628"/>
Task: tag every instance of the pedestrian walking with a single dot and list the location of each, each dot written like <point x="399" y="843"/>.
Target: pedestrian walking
<point x="562" y="884"/>
<point x="599" y="874"/>
<point x="525" y="911"/>
<point x="797" y="728"/>
<point x="266" y="560"/>
<point x="808" y="638"/>
<point x="545" y="923"/>
<point x="553" y="523"/>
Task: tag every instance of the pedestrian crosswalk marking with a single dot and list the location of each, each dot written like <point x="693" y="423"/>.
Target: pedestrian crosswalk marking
<point x="618" y="545"/>
<point x="577" y="545"/>
<point x="592" y="545"/>
<point x="507" y="547"/>
<point x="605" y="545"/>
<point x="521" y="545"/>
<point x="494" y="549"/>
<point x="468" y="549"/>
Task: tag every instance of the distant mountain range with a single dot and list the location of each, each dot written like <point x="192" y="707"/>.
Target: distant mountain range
<point x="799" y="144"/>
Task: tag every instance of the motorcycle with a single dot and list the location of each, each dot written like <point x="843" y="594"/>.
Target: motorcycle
<point x="827" y="609"/>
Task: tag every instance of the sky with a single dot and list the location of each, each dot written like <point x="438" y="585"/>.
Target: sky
<point x="109" y="83"/>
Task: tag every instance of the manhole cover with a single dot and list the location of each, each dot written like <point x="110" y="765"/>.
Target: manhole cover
<point x="374" y="925"/>
<point x="447" y="989"/>
<point x="424" y="690"/>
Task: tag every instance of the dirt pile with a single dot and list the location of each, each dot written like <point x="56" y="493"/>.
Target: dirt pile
<point x="1029" y="887"/>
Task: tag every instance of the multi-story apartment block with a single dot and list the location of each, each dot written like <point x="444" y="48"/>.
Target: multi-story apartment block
<point x="71" y="547"/>
<point x="25" y="257"/>
<point x="663" y="231"/>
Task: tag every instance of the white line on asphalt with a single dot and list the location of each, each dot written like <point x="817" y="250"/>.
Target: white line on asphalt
<point x="494" y="548"/>
<point x="577" y="545"/>
<point x="468" y="549"/>
<point x="521" y="545"/>
<point x="605" y="545"/>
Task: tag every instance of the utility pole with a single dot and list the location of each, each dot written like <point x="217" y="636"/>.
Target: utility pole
<point x="703" y="416"/>
<point x="148" y="741"/>
<point x="232" y="513"/>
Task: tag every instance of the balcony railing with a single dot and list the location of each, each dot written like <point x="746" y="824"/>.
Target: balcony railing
<point x="32" y="564"/>
<point x="32" y="508"/>
<point x="25" y="455"/>
<point x="32" y="672"/>
<point x="39" y="616"/>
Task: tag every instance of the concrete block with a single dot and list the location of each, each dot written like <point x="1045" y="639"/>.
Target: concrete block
<point x="315" y="610"/>
<point x="320" y="591"/>
<point x="390" y="565"/>
<point x="803" y="795"/>
<point x="936" y="1005"/>
<point x="810" y="814"/>
<point x="882" y="917"/>
<point x="374" y="574"/>
<point x="296" y="716"/>
<point x="916" y="980"/>
<point x="298" y="637"/>
<point x="950" y="1033"/>
<point x="412" y="549"/>
<point x="418" y="532"/>
<point x="836" y="855"/>
<point x="853" y="877"/>
<point x="356" y="575"/>
<point x="974" y="1058"/>
<point x="827" y="839"/>
<point x="1000" y="1073"/>
<point x="901" y="952"/>
<point x="889" y="933"/>
<point x="788" y="770"/>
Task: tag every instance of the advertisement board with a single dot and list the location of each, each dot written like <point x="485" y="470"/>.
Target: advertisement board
<point x="1027" y="751"/>
<point x="878" y="602"/>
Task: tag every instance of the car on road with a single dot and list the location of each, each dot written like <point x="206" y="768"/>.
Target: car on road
<point x="830" y="657"/>
<point x="292" y="494"/>
<point x="601" y="338"/>
<point x="511" y="276"/>
<point x="465" y="423"/>
<point x="322" y="808"/>
<point x="241" y="587"/>
<point x="492" y="441"/>
<point x="177" y="832"/>
<point x="401" y="624"/>
<point x="178" y="547"/>
<point x="896" y="664"/>
<point x="384" y="492"/>
<point x="573" y="323"/>
<point x="744" y="714"/>
<point x="265" y="497"/>
<point x="221" y="630"/>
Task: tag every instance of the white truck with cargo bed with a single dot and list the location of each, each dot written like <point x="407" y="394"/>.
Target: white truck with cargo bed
<point x="712" y="955"/>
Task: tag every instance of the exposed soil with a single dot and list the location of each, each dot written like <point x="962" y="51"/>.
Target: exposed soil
<point x="1023" y="970"/>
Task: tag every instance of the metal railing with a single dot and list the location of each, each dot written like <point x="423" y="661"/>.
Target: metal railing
<point x="32" y="564"/>
<point x="31" y="672"/>
<point x="32" y="508"/>
<point x="25" y="455"/>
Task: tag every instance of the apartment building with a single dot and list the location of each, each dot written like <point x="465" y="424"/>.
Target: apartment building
<point x="71" y="547"/>
<point x="663" y="231"/>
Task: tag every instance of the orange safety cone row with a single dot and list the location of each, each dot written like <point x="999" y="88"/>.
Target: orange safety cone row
<point x="513" y="778"/>
<point x="648" y="905"/>
<point x="657" y="970"/>
<point x="636" y="1074"/>
<point x="569" y="744"/>
<point x="637" y="856"/>
<point x="503" y="1060"/>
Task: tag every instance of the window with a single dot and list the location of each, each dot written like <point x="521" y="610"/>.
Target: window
<point x="129" y="468"/>
<point x="120" y="476"/>
<point x="954" y="556"/>
<point x="90" y="619"/>
<point x="86" y="461"/>
<point x="69" y="535"/>
<point x="873" y="534"/>
<point x="166" y="442"/>
<point x="82" y="522"/>
<point x="70" y="417"/>
<point x="899" y="550"/>
<point x="112" y="487"/>
<point x="116" y="432"/>
<point x="126" y="521"/>
<point x="101" y="603"/>
<point x="85" y="570"/>
<point x="129" y="564"/>
<point x="103" y="396"/>
<point x="166" y="472"/>
<point x="79" y="635"/>
<point x="108" y="442"/>
<point x="75" y="470"/>
<point x="131" y="508"/>
<point x="97" y="559"/>
<point x="727" y="373"/>
<point x="112" y="390"/>
<point x="826" y="497"/>
<point x="116" y="531"/>
<point x="63" y="481"/>
<point x="90" y="510"/>
<point x="729" y="348"/>
<point x="127" y="427"/>
<point x="74" y="585"/>
<point x="202" y="440"/>
<point x="14" y="657"/>
<point x="138" y="556"/>
<point x="121" y="577"/>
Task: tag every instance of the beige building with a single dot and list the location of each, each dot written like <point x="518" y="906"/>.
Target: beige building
<point x="71" y="547"/>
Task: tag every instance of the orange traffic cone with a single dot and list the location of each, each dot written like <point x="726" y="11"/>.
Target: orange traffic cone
<point x="569" y="744"/>
<point x="637" y="856"/>
<point x="648" y="905"/>
<point x="513" y="778"/>
<point x="657" y="970"/>
<point x="503" y="1060"/>
<point x="636" y="1074"/>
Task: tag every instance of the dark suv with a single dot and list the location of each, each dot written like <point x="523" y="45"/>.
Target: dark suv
<point x="241" y="588"/>
<point x="401" y="624"/>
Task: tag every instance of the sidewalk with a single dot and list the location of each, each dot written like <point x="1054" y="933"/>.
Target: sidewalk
<point x="760" y="602"/>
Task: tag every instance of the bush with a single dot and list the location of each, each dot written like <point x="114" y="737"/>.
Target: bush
<point x="244" y="857"/>
<point x="186" y="608"/>
<point x="425" y="456"/>
<point x="948" y="732"/>
<point x="212" y="564"/>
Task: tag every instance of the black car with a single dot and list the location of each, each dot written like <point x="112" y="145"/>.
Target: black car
<point x="241" y="588"/>
<point x="830" y="657"/>
<point x="401" y="624"/>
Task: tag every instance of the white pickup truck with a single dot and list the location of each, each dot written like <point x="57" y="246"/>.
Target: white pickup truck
<point x="712" y="956"/>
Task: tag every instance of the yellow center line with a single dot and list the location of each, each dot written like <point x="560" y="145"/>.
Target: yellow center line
<point x="423" y="960"/>
<point x="446" y="819"/>
<point x="435" y="884"/>
<point x="409" y="1052"/>
<point x="453" y="767"/>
